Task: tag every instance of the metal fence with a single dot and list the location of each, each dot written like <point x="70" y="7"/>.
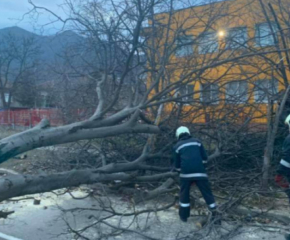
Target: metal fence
<point x="27" y="118"/>
<point x="30" y="117"/>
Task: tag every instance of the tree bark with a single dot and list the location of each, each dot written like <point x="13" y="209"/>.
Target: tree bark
<point x="272" y="131"/>
<point x="269" y="148"/>
<point x="164" y="188"/>
<point x="283" y="218"/>
<point x="42" y="135"/>
<point x="19" y="185"/>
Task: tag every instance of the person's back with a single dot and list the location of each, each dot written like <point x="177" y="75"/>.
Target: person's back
<point x="191" y="155"/>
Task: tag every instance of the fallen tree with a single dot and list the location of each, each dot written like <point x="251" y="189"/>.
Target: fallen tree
<point x="19" y="185"/>
<point x="43" y="135"/>
<point x="163" y="98"/>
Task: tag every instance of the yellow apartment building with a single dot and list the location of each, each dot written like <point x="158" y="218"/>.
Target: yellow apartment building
<point x="228" y="58"/>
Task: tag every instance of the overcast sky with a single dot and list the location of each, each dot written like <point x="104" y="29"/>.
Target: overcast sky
<point x="12" y="11"/>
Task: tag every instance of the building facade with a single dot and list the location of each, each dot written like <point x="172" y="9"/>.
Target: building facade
<point x="229" y="59"/>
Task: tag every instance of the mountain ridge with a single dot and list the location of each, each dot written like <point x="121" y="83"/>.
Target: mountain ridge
<point x="50" y="45"/>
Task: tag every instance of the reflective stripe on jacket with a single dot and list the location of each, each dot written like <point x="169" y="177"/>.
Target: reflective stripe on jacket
<point x="189" y="155"/>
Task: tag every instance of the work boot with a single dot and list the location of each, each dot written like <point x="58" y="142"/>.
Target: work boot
<point x="183" y="219"/>
<point x="216" y="217"/>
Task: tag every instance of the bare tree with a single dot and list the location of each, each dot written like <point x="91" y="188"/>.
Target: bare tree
<point x="18" y="64"/>
<point x="183" y="86"/>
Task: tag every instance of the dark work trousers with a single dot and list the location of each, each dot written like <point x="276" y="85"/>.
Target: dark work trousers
<point x="184" y="198"/>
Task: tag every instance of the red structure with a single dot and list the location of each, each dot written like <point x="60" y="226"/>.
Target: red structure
<point x="30" y="117"/>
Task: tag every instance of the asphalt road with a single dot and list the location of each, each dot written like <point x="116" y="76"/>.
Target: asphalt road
<point x="8" y="237"/>
<point x="38" y="222"/>
<point x="46" y="221"/>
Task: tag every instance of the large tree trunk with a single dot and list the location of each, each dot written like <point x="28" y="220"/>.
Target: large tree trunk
<point x="19" y="185"/>
<point x="269" y="147"/>
<point x="43" y="135"/>
<point x="163" y="189"/>
<point x="272" y="131"/>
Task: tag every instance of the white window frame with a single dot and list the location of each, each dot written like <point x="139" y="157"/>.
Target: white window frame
<point x="43" y="99"/>
<point x="143" y="76"/>
<point x="186" y="99"/>
<point x="267" y="38"/>
<point x="262" y="93"/>
<point x="238" y="96"/>
<point x="6" y="98"/>
<point x="237" y="38"/>
<point x="184" y="46"/>
<point x="141" y="55"/>
<point x="208" y="43"/>
<point x="213" y="90"/>
<point x="145" y="23"/>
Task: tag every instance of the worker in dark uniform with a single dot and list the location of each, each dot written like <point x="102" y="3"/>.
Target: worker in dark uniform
<point x="189" y="158"/>
<point x="283" y="174"/>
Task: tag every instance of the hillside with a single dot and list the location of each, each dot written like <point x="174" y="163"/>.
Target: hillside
<point x="51" y="47"/>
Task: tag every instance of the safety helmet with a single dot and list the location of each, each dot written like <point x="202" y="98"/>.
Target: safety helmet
<point x="182" y="130"/>
<point x="287" y="120"/>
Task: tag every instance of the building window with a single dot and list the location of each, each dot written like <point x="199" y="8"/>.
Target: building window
<point x="208" y="43"/>
<point x="140" y="56"/>
<point x="237" y="38"/>
<point x="265" y="89"/>
<point x="145" y="23"/>
<point x="6" y="97"/>
<point x="264" y="36"/>
<point x="186" y="93"/>
<point x="209" y="93"/>
<point x="184" y="46"/>
<point x="237" y="92"/>
<point x="43" y="99"/>
<point x="143" y="76"/>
